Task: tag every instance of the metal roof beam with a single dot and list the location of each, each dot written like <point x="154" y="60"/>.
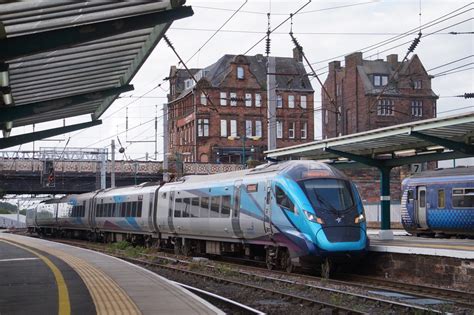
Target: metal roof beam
<point x="453" y="145"/>
<point x="34" y="136"/>
<point x="25" y="45"/>
<point x="420" y="158"/>
<point x="357" y="158"/>
<point x="32" y="109"/>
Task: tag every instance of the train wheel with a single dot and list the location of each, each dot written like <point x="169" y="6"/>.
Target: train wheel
<point x="326" y="267"/>
<point x="270" y="258"/>
<point x="286" y="262"/>
<point x="177" y="247"/>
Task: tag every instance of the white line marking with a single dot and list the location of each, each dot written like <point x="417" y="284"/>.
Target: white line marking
<point x="17" y="259"/>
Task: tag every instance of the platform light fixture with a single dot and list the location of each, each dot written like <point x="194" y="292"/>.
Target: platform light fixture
<point x="6" y="95"/>
<point x="4" y="76"/>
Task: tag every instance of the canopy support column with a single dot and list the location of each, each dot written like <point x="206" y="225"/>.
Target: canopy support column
<point x="385" y="232"/>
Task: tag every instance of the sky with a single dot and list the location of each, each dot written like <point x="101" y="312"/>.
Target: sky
<point x="327" y="30"/>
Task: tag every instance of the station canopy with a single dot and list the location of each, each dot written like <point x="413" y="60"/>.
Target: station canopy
<point x="60" y="59"/>
<point x="416" y="142"/>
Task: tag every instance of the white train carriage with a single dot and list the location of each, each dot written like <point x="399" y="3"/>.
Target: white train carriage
<point x="125" y="210"/>
<point x="46" y="216"/>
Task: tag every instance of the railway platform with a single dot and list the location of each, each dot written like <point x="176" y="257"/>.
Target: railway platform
<point x="40" y="276"/>
<point x="432" y="261"/>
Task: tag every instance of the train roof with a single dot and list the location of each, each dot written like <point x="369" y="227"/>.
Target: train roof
<point x="295" y="169"/>
<point x="458" y="171"/>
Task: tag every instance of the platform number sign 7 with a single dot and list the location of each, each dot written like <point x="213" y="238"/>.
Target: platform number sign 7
<point x="416" y="168"/>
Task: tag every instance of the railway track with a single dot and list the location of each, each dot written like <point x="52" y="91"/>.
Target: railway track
<point x="301" y="289"/>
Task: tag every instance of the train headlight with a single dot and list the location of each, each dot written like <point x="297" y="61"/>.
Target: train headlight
<point x="360" y="218"/>
<point x="312" y="217"/>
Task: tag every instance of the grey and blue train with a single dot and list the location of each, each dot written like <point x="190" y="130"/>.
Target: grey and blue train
<point x="294" y="213"/>
<point x="439" y="202"/>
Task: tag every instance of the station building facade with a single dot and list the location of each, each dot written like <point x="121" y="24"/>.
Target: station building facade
<point x="223" y="117"/>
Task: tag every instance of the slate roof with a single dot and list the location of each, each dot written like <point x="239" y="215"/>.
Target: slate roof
<point x="218" y="71"/>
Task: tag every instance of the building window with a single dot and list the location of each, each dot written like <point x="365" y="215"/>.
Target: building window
<point x="339" y="113"/>
<point x="326" y="116"/>
<point x="291" y="130"/>
<point x="417" y="85"/>
<point x="303" y="101"/>
<point x="240" y="73"/>
<point x="223" y="98"/>
<point x="223" y="128"/>
<point x="338" y="90"/>
<point x="203" y="99"/>
<point x="279" y="101"/>
<point x="380" y="80"/>
<point x="279" y="129"/>
<point x="248" y="99"/>
<point x="258" y="128"/>
<point x="291" y="101"/>
<point x="258" y="100"/>
<point x="304" y="130"/>
<point x="248" y="128"/>
<point x="233" y="99"/>
<point x="233" y="128"/>
<point x="203" y="127"/>
<point x="417" y="108"/>
<point x="385" y="108"/>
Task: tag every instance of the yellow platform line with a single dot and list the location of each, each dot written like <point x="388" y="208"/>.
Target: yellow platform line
<point x="64" y="307"/>
<point x="108" y="296"/>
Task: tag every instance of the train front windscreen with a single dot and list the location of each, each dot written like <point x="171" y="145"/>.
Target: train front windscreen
<point x="329" y="195"/>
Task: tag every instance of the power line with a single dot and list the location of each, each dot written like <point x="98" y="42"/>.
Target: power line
<point x="445" y="64"/>
<point x="448" y="73"/>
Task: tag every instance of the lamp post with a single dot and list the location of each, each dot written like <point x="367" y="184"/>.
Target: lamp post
<point x="254" y="138"/>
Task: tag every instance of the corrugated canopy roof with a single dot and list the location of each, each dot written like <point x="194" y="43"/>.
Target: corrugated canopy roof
<point x="72" y="58"/>
<point x="421" y="141"/>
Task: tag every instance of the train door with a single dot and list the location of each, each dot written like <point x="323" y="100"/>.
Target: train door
<point x="171" y="211"/>
<point x="267" y="217"/>
<point x="421" y="207"/>
<point x="236" y="209"/>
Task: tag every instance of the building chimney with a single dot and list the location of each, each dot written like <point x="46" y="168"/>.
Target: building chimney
<point x="393" y="60"/>
<point x="353" y="60"/>
<point x="334" y="65"/>
<point x="297" y="55"/>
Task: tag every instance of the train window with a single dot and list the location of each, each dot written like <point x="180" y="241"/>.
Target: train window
<point x="441" y="199"/>
<point x="133" y="209"/>
<point x="283" y="200"/>
<point x="186" y="205"/>
<point x="204" y="207"/>
<point x="252" y="188"/>
<point x="422" y="198"/>
<point x="463" y="198"/>
<point x="225" y="212"/>
<point x="410" y="195"/>
<point x="139" y="209"/>
<point x="215" y="204"/>
<point x="170" y="208"/>
<point x="195" y="207"/>
<point x="177" y="208"/>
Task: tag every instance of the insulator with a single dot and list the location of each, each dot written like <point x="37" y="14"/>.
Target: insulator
<point x="468" y="95"/>
<point x="415" y="43"/>
<point x="267" y="44"/>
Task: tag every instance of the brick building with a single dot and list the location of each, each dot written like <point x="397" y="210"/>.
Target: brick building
<point x="357" y="104"/>
<point x="199" y="127"/>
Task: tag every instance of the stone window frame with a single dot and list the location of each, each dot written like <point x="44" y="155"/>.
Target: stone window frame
<point x="303" y="100"/>
<point x="223" y="128"/>
<point x="240" y="73"/>
<point x="223" y="98"/>
<point x="292" y="130"/>
<point x="203" y="127"/>
<point x="417" y="108"/>
<point x="386" y="107"/>
<point x="233" y="98"/>
<point x="279" y="129"/>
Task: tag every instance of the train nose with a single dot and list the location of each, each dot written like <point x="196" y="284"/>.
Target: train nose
<point x="340" y="238"/>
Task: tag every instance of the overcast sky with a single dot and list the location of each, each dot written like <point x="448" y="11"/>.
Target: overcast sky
<point x="327" y="30"/>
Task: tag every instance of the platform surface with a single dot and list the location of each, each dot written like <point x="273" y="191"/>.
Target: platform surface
<point x="403" y="243"/>
<point x="43" y="277"/>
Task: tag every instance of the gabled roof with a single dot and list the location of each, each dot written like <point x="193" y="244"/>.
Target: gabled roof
<point x="217" y="72"/>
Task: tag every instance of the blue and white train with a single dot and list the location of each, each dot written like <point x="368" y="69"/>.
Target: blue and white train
<point x="439" y="202"/>
<point x="294" y="213"/>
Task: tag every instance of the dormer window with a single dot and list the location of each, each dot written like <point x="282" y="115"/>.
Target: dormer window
<point x="417" y="85"/>
<point x="188" y="83"/>
<point x="380" y="80"/>
<point x="240" y="73"/>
